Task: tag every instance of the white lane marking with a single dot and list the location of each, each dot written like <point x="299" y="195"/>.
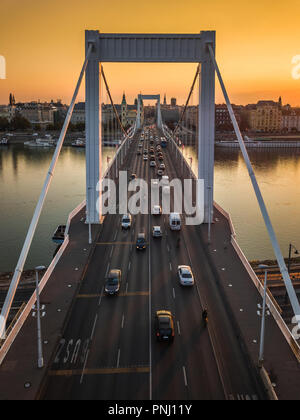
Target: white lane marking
<point x="101" y="294"/>
<point x="118" y="359"/>
<point x="168" y="248"/>
<point x="94" y="326"/>
<point x="85" y="362"/>
<point x="184" y="376"/>
<point x="126" y="287"/>
<point x="106" y="274"/>
<point x="111" y="252"/>
<point x="123" y="319"/>
<point x="170" y="266"/>
<point x="174" y="293"/>
<point x="178" y="328"/>
<point x="129" y="265"/>
<point x="115" y="235"/>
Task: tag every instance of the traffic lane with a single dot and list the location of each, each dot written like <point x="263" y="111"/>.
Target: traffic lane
<point x="166" y="358"/>
<point x="133" y="348"/>
<point x="225" y="340"/>
<point x="201" y="368"/>
<point x="113" y="386"/>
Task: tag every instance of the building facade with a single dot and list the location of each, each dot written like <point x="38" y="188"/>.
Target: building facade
<point x="266" y="116"/>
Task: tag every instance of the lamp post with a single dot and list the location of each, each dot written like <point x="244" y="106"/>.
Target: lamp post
<point x="262" y="331"/>
<point x="38" y="317"/>
<point x="291" y="247"/>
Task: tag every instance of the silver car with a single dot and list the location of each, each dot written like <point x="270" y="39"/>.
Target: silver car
<point x="156" y="232"/>
<point x="185" y="275"/>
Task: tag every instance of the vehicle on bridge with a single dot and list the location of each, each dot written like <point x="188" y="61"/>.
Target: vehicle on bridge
<point x="141" y="241"/>
<point x="126" y="221"/>
<point x="113" y="282"/>
<point x="156" y="232"/>
<point x="175" y="221"/>
<point x="152" y="163"/>
<point x="185" y="274"/>
<point x="163" y="142"/>
<point x="164" y="326"/>
<point x="156" y="210"/>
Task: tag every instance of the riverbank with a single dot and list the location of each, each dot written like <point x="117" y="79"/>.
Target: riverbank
<point x="20" y="138"/>
<point x="27" y="278"/>
<point x="255" y="263"/>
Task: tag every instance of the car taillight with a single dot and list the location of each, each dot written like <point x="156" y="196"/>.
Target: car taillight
<point x="157" y="334"/>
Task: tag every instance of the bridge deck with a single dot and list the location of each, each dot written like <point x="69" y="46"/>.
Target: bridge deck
<point x="104" y="347"/>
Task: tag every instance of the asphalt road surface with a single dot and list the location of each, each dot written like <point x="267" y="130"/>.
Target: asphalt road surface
<point x="109" y="350"/>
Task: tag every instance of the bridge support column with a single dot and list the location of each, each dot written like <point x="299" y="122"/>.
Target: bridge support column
<point x="93" y="135"/>
<point x="138" y="115"/>
<point x="206" y="129"/>
<point x="159" y="122"/>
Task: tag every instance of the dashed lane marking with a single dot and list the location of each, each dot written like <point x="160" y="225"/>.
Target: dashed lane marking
<point x="96" y="295"/>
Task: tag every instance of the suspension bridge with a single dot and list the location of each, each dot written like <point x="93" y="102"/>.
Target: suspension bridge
<point x="99" y="347"/>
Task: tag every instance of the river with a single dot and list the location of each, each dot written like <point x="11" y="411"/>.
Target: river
<point x="23" y="170"/>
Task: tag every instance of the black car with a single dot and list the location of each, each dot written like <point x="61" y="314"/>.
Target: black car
<point x="113" y="282"/>
<point x="141" y="241"/>
<point x="164" y="326"/>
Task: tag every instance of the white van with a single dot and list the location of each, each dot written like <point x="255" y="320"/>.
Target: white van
<point x="175" y="221"/>
<point x="165" y="180"/>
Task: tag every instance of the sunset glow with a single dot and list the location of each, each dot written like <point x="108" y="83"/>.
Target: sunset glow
<point x="43" y="44"/>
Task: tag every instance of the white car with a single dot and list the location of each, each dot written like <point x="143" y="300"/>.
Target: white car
<point x="156" y="232"/>
<point x="162" y="166"/>
<point x="126" y="221"/>
<point x="145" y="157"/>
<point x="185" y="275"/>
<point x="156" y="210"/>
<point x="152" y="163"/>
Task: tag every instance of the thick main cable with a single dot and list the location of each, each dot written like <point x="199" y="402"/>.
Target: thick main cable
<point x="112" y="102"/>
<point x="188" y="99"/>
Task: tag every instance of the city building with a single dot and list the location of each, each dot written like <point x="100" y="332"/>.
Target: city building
<point x="290" y="119"/>
<point x="173" y="102"/>
<point x="37" y="113"/>
<point x="266" y="116"/>
<point x="222" y="117"/>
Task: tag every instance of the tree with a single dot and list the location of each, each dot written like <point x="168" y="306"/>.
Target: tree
<point x="20" y="123"/>
<point x="4" y="124"/>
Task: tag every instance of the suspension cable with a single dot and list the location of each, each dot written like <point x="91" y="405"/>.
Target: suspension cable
<point x="112" y="102"/>
<point x="187" y="101"/>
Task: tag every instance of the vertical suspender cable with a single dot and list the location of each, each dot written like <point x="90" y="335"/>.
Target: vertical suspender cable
<point x="35" y="219"/>
<point x="288" y="284"/>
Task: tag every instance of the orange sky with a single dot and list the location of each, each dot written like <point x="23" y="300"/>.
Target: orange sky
<point x="43" y="44"/>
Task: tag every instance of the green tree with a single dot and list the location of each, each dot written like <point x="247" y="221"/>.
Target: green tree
<point x="20" y="123"/>
<point x="4" y="124"/>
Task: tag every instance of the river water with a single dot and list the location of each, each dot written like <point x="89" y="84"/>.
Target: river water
<point x="23" y="170"/>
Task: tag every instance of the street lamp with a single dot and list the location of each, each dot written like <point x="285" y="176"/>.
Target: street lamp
<point x="291" y="247"/>
<point x="290" y="254"/>
<point x="38" y="316"/>
<point x="262" y="331"/>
